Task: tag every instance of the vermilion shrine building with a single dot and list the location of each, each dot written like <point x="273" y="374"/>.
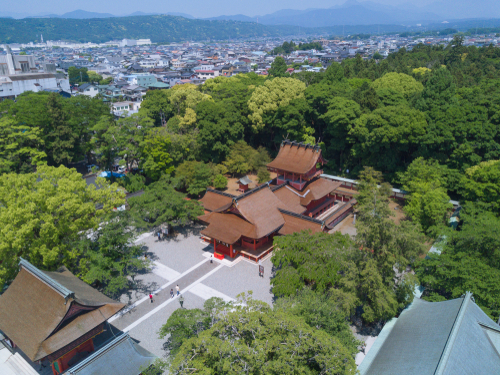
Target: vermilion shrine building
<point x="53" y="316"/>
<point x="297" y="199"/>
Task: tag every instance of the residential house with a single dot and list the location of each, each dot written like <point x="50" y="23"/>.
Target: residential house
<point x="88" y="89"/>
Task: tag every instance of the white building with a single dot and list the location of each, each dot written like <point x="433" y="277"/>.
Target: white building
<point x="207" y="74"/>
<point x="18" y="74"/>
<point x="88" y="89"/>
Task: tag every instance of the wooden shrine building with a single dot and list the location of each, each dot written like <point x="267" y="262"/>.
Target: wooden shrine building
<point x="297" y="199"/>
<point x="53" y="315"/>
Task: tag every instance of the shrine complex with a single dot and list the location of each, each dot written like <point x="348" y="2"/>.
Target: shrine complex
<point x="297" y="199"/>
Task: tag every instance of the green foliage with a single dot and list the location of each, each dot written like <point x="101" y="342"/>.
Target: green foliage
<point x="322" y="312"/>
<point x="470" y="261"/>
<point x="220" y="182"/>
<point x="77" y="75"/>
<point x="278" y="68"/>
<point x="110" y="261"/>
<point x="400" y="82"/>
<point x="243" y="158"/>
<point x="156" y="160"/>
<point x="220" y="126"/>
<point x="186" y="323"/>
<point x="305" y="260"/>
<point x="156" y="105"/>
<point x="42" y="212"/>
<point x="132" y="182"/>
<point x="252" y="337"/>
<point x="194" y="176"/>
<point x="263" y="175"/>
<point x="20" y="147"/>
<point x="162" y="204"/>
<point x="161" y="28"/>
<point x="428" y="203"/>
<point x="266" y="99"/>
<point x="482" y="183"/>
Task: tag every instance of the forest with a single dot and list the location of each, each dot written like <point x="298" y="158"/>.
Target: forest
<point x="426" y="121"/>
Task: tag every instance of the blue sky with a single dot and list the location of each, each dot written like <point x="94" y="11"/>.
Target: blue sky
<point x="197" y="8"/>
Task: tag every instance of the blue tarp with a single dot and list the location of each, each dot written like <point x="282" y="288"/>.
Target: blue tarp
<point x="107" y="174"/>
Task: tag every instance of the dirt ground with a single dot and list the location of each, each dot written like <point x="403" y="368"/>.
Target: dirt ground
<point x="232" y="183"/>
<point x="346" y="226"/>
<point x="397" y="209"/>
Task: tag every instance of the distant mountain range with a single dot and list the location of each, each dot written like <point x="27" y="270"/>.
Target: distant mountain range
<point x="352" y="12"/>
<point x="83" y="14"/>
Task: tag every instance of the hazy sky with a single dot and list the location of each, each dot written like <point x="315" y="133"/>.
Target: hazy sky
<point x="197" y="8"/>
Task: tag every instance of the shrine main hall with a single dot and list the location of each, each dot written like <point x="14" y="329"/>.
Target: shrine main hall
<point x="297" y="199"/>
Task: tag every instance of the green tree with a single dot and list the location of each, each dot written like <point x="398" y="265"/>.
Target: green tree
<point x="482" y="183"/>
<point x="266" y="99"/>
<point x="220" y="126"/>
<point x="469" y="261"/>
<point x="60" y="137"/>
<point x="20" y="147"/>
<point x="400" y="82"/>
<point x="42" y="212"/>
<point x="428" y="203"/>
<point x="220" y="182"/>
<point x="334" y="73"/>
<point x="202" y="178"/>
<point x="340" y="119"/>
<point x="239" y="160"/>
<point x="156" y="159"/>
<point x="262" y="341"/>
<point x="305" y="260"/>
<point x="94" y="77"/>
<point x="110" y="260"/>
<point x="184" y="324"/>
<point x="393" y="247"/>
<point x="162" y="204"/>
<point x="156" y="105"/>
<point x="76" y="75"/>
<point x="130" y="134"/>
<point x="278" y="68"/>
<point x="263" y="175"/>
<point x="388" y="137"/>
<point x="322" y="312"/>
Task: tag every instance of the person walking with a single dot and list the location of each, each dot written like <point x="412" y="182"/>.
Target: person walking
<point x="171" y="293"/>
<point x="159" y="236"/>
<point x="178" y="289"/>
<point x="151" y="297"/>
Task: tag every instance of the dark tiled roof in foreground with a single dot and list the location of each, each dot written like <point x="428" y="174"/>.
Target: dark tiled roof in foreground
<point x="121" y="356"/>
<point x="441" y="338"/>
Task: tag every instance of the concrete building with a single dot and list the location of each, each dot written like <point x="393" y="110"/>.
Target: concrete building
<point x="18" y="74"/>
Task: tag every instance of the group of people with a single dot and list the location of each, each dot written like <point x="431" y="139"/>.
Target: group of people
<point x="178" y="290"/>
<point x="162" y="233"/>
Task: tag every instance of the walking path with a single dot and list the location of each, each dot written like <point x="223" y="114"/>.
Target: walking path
<point x="142" y="309"/>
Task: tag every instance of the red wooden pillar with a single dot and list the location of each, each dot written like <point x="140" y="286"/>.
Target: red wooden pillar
<point x="215" y="245"/>
<point x="231" y="251"/>
<point x="254" y="247"/>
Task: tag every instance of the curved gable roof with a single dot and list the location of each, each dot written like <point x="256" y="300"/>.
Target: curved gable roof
<point x="296" y="157"/>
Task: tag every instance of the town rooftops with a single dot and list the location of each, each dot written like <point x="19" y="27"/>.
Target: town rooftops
<point x="295" y="157"/>
<point x="449" y="337"/>
<point x="45" y="313"/>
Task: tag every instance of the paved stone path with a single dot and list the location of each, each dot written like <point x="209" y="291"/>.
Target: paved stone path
<point x="145" y="307"/>
<point x="183" y="260"/>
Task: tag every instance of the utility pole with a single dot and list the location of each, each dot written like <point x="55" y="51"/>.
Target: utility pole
<point x="81" y="79"/>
